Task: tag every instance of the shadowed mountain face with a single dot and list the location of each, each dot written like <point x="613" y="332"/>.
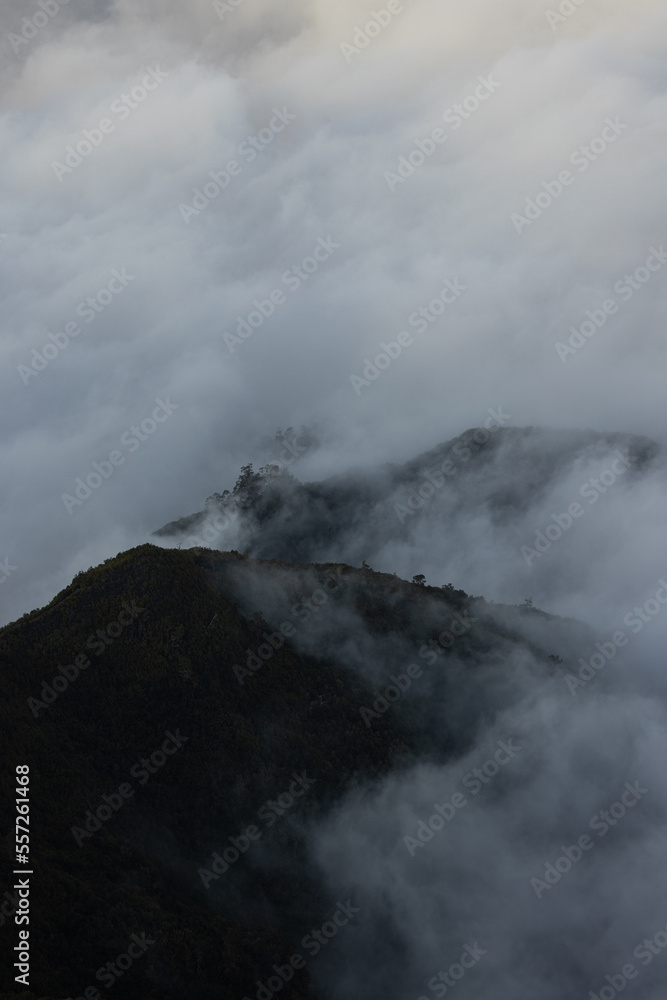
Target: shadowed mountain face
<point x="497" y="486"/>
<point x="252" y="776"/>
<point x="193" y="717"/>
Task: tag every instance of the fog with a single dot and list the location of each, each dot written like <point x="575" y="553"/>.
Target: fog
<point x="549" y="863"/>
<point x="336" y="250"/>
<point x="322" y="176"/>
<point x="471" y="882"/>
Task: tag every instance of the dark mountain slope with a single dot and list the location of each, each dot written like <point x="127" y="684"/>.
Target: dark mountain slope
<point x="504" y="472"/>
<point x="153" y="704"/>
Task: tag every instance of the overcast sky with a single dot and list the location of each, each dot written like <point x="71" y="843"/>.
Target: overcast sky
<point x="316" y="116"/>
<point x="494" y="158"/>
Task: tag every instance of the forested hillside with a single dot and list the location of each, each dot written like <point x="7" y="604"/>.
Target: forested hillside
<point x="173" y="700"/>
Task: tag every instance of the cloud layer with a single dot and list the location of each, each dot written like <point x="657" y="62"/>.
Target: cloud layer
<point x="326" y="175"/>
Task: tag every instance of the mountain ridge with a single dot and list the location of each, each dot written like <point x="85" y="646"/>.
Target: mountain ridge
<point x="170" y="670"/>
<point x="362" y="514"/>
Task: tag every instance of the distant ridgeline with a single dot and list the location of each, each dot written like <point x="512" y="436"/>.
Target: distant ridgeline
<point x="352" y="516"/>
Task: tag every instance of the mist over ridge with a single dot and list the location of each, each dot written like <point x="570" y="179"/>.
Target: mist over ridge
<point x="333" y="536"/>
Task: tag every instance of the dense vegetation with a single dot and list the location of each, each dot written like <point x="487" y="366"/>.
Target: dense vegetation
<point x="270" y="514"/>
<point x="170" y="670"/>
<point x="165" y="633"/>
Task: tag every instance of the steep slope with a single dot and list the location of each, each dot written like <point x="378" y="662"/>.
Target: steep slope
<point x="170" y="702"/>
<point x="501" y="473"/>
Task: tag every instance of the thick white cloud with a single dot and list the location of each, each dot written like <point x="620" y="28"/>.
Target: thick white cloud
<point x="323" y="176"/>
